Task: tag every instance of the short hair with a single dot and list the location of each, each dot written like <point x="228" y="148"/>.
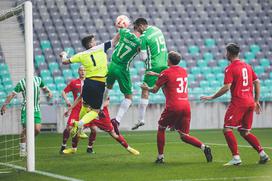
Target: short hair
<point x="80" y="67"/>
<point x="174" y="57"/>
<point x="85" y="41"/>
<point x="233" y="49"/>
<point x="140" y="21"/>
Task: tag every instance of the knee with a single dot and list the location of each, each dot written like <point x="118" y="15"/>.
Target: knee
<point x="243" y="133"/>
<point x="37" y="131"/>
<point x="182" y="136"/>
<point x="226" y="130"/>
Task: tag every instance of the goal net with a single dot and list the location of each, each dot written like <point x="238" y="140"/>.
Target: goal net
<point x="16" y="63"/>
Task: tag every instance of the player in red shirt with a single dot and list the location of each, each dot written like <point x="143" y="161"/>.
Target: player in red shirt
<point x="240" y="79"/>
<point x="75" y="87"/>
<point x="103" y="123"/>
<point x="177" y="112"/>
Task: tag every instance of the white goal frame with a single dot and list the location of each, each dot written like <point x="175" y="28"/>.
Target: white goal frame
<point x="26" y="8"/>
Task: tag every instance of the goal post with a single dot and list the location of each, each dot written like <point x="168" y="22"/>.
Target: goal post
<point x="26" y="10"/>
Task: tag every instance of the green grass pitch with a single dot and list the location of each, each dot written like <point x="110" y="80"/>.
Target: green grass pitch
<point x="182" y="161"/>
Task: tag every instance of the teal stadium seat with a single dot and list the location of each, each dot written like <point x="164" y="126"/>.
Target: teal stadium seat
<point x="191" y="78"/>
<point x="60" y="87"/>
<point x="223" y="63"/>
<point x="193" y="50"/>
<point x="264" y="62"/>
<point x="139" y="65"/>
<point x="255" y="48"/>
<point x="206" y="70"/>
<point x="204" y="84"/>
<point x="67" y="73"/>
<point x="48" y="80"/>
<point x="220" y="77"/>
<point x="70" y="51"/>
<point x="133" y="72"/>
<point x="207" y="56"/>
<point x="45" y="44"/>
<point x="209" y="42"/>
<point x="202" y="63"/>
<point x="59" y="80"/>
<point x="45" y="73"/>
<point x="39" y="59"/>
<point x="3" y="66"/>
<point x="210" y="77"/>
<point x="183" y="64"/>
<point x="249" y="56"/>
<point x="75" y="66"/>
<point x="195" y="70"/>
<point x="217" y="70"/>
<point x="53" y="66"/>
<point x="258" y="69"/>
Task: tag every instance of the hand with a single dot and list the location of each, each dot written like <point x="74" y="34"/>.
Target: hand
<point x="152" y="73"/>
<point x="144" y="86"/>
<point x="50" y="94"/>
<point x="258" y="108"/>
<point x="206" y="98"/>
<point x="67" y="113"/>
<point x="68" y="104"/>
<point x="101" y="114"/>
<point x="63" y="55"/>
<point x="3" y="109"/>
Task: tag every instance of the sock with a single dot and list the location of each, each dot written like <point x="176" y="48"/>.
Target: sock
<point x="87" y="118"/>
<point x="202" y="147"/>
<point x="262" y="154"/>
<point x="122" y="141"/>
<point x="254" y="142"/>
<point x="236" y="157"/>
<point x="232" y="142"/>
<point x="74" y="142"/>
<point x="123" y="109"/>
<point x="142" y="109"/>
<point x="160" y="140"/>
<point x="23" y="146"/>
<point x="160" y="156"/>
<point x="192" y="141"/>
<point x="92" y="138"/>
<point x="66" y="134"/>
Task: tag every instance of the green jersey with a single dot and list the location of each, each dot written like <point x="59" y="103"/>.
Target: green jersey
<point x="153" y="44"/>
<point x="126" y="49"/>
<point x="21" y="87"/>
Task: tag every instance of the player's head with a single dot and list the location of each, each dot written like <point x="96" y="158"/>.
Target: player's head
<point x="140" y="24"/>
<point x="81" y="72"/>
<point x="173" y="58"/>
<point x="88" y="41"/>
<point x="232" y="51"/>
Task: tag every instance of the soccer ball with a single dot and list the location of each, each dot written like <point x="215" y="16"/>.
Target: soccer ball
<point x="122" y="21"/>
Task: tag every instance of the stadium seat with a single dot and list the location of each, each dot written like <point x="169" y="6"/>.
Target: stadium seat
<point x="255" y="48"/>
<point x="53" y="66"/>
<point x="209" y="42"/>
<point x="264" y="62"/>
<point x="249" y="56"/>
<point x="45" y="44"/>
<point x="39" y="59"/>
<point x="59" y="80"/>
<point x="70" y="51"/>
<point x="223" y="63"/>
<point x="207" y="56"/>
<point x="193" y="50"/>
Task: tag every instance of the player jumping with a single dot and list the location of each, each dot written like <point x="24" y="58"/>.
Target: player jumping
<point x="177" y="112"/>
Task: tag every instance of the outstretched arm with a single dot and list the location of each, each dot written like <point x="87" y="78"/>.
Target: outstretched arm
<point x="257" y="90"/>
<point x="154" y="89"/>
<point x="7" y="101"/>
<point x="219" y="93"/>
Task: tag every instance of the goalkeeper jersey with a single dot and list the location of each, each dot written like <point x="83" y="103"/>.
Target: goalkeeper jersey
<point x="94" y="60"/>
<point x="126" y="49"/>
<point x="153" y="43"/>
<point x="21" y="87"/>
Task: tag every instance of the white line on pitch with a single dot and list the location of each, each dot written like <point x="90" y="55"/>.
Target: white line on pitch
<point x="61" y="177"/>
<point x="224" y="178"/>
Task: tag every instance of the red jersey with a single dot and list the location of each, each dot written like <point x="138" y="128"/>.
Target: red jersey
<point x="75" y="86"/>
<point x="175" y="87"/>
<point x="241" y="77"/>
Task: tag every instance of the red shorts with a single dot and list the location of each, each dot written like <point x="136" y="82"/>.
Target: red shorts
<point x="239" y="117"/>
<point x="104" y="123"/>
<point x="74" y="116"/>
<point x="179" y="119"/>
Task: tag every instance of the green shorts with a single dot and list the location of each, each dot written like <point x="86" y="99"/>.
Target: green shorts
<point x="37" y="117"/>
<point x="122" y="75"/>
<point x="151" y="80"/>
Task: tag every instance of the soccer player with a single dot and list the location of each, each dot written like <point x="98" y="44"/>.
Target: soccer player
<point x="177" y="112"/>
<point x="94" y="60"/>
<point x="75" y="87"/>
<point x="240" y="79"/>
<point x="103" y="124"/>
<point x="154" y="53"/>
<point x="124" y="53"/>
<point x="21" y="87"/>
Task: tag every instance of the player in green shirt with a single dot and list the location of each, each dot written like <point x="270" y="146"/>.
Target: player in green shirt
<point x="154" y="53"/>
<point x="21" y="87"/>
<point x="125" y="51"/>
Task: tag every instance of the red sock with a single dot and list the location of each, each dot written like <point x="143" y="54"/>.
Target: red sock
<point x="232" y="142"/>
<point x="66" y="134"/>
<point x="122" y="141"/>
<point x="160" y="140"/>
<point x="75" y="141"/>
<point x="254" y="142"/>
<point x="92" y="138"/>
<point x="192" y="141"/>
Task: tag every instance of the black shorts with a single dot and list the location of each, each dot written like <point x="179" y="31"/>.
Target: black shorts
<point x="92" y="93"/>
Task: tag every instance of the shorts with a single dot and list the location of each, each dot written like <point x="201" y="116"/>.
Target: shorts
<point x="179" y="119"/>
<point x="104" y="123"/>
<point x="37" y="117"/>
<point x="74" y="116"/>
<point x="239" y="117"/>
<point x="122" y="75"/>
<point x="92" y="93"/>
<point x="151" y="80"/>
